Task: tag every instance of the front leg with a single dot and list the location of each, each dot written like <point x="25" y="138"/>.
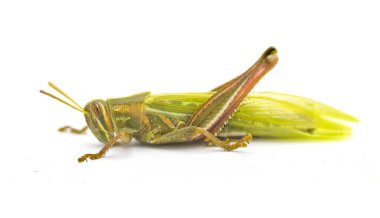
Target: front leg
<point x="123" y="137"/>
<point x="101" y="153"/>
<point x="73" y="130"/>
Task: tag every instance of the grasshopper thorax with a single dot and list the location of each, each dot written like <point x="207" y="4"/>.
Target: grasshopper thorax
<point x="99" y="120"/>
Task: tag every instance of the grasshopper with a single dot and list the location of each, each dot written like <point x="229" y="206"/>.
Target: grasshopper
<point x="226" y="111"/>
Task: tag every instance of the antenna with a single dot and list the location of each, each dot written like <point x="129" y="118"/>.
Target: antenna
<point x="64" y="94"/>
<point x="78" y="108"/>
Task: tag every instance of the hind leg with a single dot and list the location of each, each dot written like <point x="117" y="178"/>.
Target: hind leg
<point x="191" y="133"/>
<point x="213" y="114"/>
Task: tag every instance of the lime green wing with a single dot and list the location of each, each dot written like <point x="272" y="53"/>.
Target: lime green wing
<point x="263" y="114"/>
<point x="278" y="115"/>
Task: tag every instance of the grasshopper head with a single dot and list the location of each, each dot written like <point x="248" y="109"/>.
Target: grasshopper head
<point x="96" y="112"/>
<point x="98" y="119"/>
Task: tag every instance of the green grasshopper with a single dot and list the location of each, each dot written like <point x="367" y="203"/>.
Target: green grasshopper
<point x="226" y="111"/>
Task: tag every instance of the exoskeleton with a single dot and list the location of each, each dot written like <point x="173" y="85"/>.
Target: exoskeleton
<point x="227" y="111"/>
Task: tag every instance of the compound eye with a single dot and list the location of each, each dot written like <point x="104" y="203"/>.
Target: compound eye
<point x="96" y="110"/>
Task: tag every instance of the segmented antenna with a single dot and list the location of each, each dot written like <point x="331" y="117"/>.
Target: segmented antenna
<point x="78" y="108"/>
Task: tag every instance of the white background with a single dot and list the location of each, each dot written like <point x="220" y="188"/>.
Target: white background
<point x="328" y="51"/>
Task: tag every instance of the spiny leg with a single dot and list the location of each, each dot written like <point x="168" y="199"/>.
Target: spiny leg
<point x="228" y="83"/>
<point x="212" y="140"/>
<point x="73" y="130"/>
<point x="190" y="133"/>
<point x="102" y="152"/>
<point x="213" y="114"/>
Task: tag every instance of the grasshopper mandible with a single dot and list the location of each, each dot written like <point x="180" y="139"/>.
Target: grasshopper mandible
<point x="185" y="117"/>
